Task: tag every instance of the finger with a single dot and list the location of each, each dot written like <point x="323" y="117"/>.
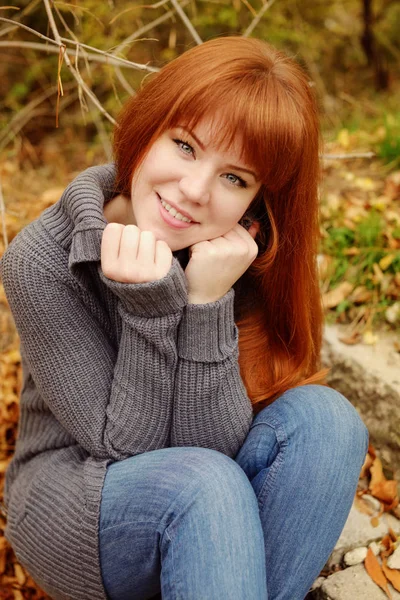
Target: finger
<point x="147" y="247"/>
<point x="254" y="229"/>
<point x="110" y="243"/>
<point x="129" y="242"/>
<point x="163" y="257"/>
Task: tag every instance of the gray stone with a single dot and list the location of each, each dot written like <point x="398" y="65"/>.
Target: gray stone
<point x="353" y="583"/>
<point x="369" y="376"/>
<point x="356" y="556"/>
<point x="358" y="531"/>
<point x="375" y="547"/>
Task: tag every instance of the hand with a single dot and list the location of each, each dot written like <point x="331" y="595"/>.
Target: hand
<point x="215" y="265"/>
<point x="129" y="255"/>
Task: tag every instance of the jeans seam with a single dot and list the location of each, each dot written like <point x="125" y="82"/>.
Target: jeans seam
<point x="127" y="523"/>
<point x="270" y="478"/>
<point x="173" y="584"/>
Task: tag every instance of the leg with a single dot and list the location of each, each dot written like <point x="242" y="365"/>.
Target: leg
<point x="187" y="516"/>
<point x="303" y="457"/>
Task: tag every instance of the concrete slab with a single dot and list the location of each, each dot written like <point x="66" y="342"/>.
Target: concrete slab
<point x="353" y="583"/>
<point x="369" y="376"/>
<point x="358" y="531"/>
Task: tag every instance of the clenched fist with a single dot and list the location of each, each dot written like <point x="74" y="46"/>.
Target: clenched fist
<point x="216" y="264"/>
<point x="129" y="255"/>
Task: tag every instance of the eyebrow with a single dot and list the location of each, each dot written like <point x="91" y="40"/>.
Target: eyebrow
<point x="233" y="167"/>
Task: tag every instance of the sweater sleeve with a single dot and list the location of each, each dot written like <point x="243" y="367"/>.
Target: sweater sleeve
<point x="211" y="406"/>
<point x="115" y="402"/>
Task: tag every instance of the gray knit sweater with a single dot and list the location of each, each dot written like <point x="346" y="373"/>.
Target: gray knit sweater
<point x="110" y="370"/>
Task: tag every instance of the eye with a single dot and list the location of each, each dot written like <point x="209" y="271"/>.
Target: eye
<point x="236" y="180"/>
<point x="184" y="146"/>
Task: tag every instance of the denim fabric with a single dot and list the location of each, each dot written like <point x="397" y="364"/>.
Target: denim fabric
<point x="198" y="525"/>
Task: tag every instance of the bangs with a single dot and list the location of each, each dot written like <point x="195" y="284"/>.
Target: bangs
<point x="258" y="115"/>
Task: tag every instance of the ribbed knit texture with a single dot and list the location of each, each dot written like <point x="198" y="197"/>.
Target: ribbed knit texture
<point x="110" y="370"/>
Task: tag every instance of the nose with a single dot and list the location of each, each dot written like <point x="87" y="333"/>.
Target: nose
<point x="196" y="185"/>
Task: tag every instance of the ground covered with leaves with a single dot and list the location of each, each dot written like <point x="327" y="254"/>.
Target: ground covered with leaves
<point x="359" y="265"/>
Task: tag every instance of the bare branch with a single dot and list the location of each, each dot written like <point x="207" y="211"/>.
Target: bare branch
<point x="258" y="18"/>
<point x="74" y="72"/>
<point x="103" y="136"/>
<point x="3" y="218"/>
<point x="187" y="22"/>
<point x="348" y="155"/>
<point x="125" y="84"/>
<point x="27" y="113"/>
<point x="121" y="61"/>
<point x="42" y="37"/>
<point x="108" y="59"/>
<point x="146" y="28"/>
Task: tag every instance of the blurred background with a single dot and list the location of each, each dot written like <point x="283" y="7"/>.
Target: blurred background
<point x="66" y="68"/>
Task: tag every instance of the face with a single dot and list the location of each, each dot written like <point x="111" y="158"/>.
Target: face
<point x="185" y="175"/>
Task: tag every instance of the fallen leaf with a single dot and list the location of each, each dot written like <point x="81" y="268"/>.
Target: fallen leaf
<point x="370" y="338"/>
<point x="367" y="465"/>
<point x="343" y="138"/>
<point x="374" y="570"/>
<point x="382" y="488"/>
<point x="386" y="261"/>
<point x="393" y="575"/>
<point x="350" y="340"/>
<point x="334" y="297"/>
<point x="375" y="520"/>
<point x="362" y="506"/>
<point x="360" y="294"/>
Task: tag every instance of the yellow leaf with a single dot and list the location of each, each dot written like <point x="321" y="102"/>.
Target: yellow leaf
<point x="365" y="183"/>
<point x="386" y="261"/>
<point x="374" y="570"/>
<point x="393" y="575"/>
<point x="370" y="338"/>
<point x="343" y="138"/>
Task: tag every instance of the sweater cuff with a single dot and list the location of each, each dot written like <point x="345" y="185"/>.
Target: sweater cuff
<point x="154" y="298"/>
<point x="207" y="332"/>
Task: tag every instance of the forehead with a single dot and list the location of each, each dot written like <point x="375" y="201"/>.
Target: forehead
<point x="215" y="134"/>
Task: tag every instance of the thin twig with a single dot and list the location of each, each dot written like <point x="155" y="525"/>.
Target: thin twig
<point x="74" y="72"/>
<point x="73" y="36"/>
<point x="3" y="217"/>
<point x="187" y="22"/>
<point x="125" y="84"/>
<point x="121" y="61"/>
<point x="108" y="59"/>
<point x="126" y="10"/>
<point x="258" y="18"/>
<point x="43" y="37"/>
<point x="146" y="28"/>
<point x="348" y="155"/>
<point x="103" y="136"/>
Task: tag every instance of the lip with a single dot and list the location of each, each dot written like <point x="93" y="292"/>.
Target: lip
<point x="185" y="214"/>
<point x="170" y="220"/>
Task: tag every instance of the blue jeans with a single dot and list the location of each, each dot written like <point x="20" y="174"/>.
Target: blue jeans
<point x="198" y="525"/>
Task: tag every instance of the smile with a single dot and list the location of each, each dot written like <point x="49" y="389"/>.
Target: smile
<point x="174" y="213"/>
<point x="173" y="217"/>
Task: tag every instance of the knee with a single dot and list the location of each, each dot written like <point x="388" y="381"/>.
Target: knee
<point x="215" y="475"/>
<point x="319" y="416"/>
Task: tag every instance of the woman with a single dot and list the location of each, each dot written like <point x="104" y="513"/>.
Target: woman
<point x="173" y="435"/>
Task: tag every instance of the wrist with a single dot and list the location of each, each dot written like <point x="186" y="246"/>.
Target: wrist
<point x="192" y="299"/>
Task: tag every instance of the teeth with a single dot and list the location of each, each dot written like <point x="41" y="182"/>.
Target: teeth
<point x="174" y="213"/>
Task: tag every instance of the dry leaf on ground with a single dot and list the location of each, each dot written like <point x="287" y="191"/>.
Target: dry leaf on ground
<point x="393" y="575"/>
<point x="374" y="570"/>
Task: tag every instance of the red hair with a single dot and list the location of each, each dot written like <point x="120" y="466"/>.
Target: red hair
<point x="266" y="97"/>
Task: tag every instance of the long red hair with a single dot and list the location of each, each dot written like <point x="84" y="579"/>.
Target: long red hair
<point x="266" y="97"/>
